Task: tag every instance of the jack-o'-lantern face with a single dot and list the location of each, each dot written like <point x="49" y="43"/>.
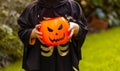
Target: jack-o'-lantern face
<point x="55" y="31"/>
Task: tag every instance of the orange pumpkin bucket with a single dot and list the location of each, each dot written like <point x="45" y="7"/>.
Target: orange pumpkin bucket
<point x="55" y="31"/>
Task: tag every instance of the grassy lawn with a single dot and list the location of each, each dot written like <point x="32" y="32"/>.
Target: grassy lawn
<point x="13" y="67"/>
<point x="101" y="52"/>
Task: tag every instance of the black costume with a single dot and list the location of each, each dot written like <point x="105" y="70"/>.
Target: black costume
<point x="60" y="58"/>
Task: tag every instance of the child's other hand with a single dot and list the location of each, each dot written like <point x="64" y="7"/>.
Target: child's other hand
<point x="74" y="29"/>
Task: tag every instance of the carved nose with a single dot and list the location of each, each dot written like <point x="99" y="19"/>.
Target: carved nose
<point x="56" y="34"/>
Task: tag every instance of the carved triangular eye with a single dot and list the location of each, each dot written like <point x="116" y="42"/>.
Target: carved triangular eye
<point x="60" y="27"/>
<point x="49" y="29"/>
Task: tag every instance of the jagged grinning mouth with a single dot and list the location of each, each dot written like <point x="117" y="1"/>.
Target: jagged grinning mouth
<point x="56" y="40"/>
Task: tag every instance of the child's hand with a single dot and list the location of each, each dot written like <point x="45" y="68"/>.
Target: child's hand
<point x="36" y="35"/>
<point x="74" y="29"/>
<point x="36" y="32"/>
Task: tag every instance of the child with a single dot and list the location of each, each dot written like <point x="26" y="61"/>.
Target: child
<point x="39" y="57"/>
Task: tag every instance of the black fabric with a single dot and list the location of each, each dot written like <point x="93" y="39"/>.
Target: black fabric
<point x="51" y="3"/>
<point x="31" y="16"/>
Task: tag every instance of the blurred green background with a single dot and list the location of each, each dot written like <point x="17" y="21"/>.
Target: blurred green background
<point x="102" y="45"/>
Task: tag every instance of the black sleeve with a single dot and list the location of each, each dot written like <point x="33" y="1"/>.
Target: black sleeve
<point x="26" y="26"/>
<point x="79" y="18"/>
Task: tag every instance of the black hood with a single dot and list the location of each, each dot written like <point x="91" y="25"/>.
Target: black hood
<point x="51" y="3"/>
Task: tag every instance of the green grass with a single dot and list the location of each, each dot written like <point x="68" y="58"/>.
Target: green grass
<point x="101" y="52"/>
<point x="13" y="67"/>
